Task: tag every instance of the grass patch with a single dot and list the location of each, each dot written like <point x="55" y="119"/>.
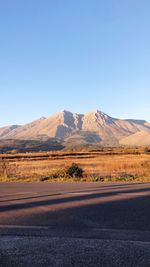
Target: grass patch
<point x="90" y="167"/>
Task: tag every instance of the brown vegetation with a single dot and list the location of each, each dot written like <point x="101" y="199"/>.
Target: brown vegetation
<point x="103" y="165"/>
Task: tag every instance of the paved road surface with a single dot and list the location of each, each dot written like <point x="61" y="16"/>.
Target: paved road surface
<point x="74" y="224"/>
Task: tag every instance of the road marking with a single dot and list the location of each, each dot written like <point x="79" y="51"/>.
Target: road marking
<point x="134" y="194"/>
<point x="24" y="227"/>
<point x="79" y="193"/>
<point x="17" y="194"/>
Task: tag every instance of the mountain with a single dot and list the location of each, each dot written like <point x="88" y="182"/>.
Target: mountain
<point x="6" y="130"/>
<point x="13" y="145"/>
<point x="93" y="127"/>
<point x="141" y="138"/>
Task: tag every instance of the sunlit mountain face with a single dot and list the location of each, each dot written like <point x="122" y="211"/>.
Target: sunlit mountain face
<point x="93" y="127"/>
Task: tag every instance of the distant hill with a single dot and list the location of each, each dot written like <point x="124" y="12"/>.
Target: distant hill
<point x="70" y="129"/>
<point x="141" y="138"/>
<point x="4" y="131"/>
<point x="13" y="145"/>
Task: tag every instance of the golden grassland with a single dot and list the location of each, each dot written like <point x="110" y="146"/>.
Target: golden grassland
<point x="105" y="165"/>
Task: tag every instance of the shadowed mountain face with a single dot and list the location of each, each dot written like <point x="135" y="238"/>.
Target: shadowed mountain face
<point x="92" y="127"/>
<point x="21" y="146"/>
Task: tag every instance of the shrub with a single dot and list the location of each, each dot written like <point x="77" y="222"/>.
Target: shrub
<point x="60" y="173"/>
<point x="147" y="149"/>
<point x="44" y="179"/>
<point x="74" y="171"/>
<point x="4" y="168"/>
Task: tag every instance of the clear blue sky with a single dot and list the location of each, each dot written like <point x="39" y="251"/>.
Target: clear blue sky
<point x="77" y="55"/>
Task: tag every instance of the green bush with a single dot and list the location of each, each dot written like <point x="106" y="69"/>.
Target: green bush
<point x="74" y="171"/>
<point x="60" y="173"/>
<point x="147" y="149"/>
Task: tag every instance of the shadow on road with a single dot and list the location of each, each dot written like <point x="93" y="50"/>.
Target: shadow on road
<point x="98" y="188"/>
<point x="113" y="209"/>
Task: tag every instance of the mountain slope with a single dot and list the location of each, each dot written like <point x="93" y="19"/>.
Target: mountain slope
<point x="7" y="130"/>
<point x="57" y="126"/>
<point x="141" y="138"/>
<point x="91" y="127"/>
<point x="10" y="145"/>
<point x="110" y="129"/>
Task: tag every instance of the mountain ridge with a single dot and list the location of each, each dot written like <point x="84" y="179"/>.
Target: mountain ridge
<point x="91" y="127"/>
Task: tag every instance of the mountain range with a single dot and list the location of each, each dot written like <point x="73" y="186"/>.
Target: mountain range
<point x="71" y="129"/>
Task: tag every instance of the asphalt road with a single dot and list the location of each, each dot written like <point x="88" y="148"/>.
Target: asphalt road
<point x="74" y="224"/>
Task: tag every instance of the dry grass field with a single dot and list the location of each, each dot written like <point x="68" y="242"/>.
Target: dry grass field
<point x="105" y="165"/>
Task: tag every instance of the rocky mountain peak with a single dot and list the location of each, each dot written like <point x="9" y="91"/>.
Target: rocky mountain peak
<point x="94" y="125"/>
